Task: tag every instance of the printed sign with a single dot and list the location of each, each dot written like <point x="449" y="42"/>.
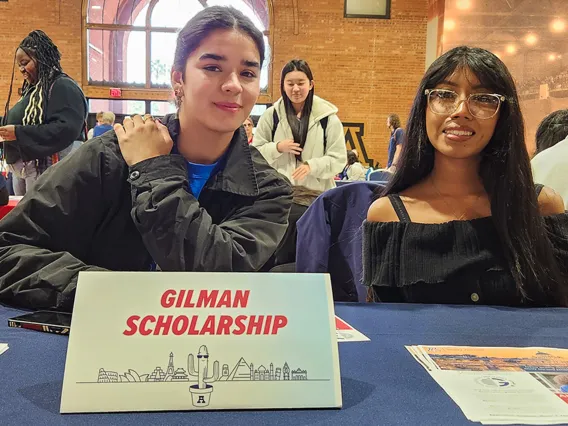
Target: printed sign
<point x="145" y="341"/>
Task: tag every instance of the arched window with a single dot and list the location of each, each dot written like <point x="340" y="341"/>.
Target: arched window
<point x="131" y="43"/>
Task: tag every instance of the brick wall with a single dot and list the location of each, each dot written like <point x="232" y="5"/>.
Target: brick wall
<point x="367" y="67"/>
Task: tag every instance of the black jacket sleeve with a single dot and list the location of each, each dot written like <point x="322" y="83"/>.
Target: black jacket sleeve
<point x="181" y="236"/>
<point x="58" y="215"/>
<point x="64" y="122"/>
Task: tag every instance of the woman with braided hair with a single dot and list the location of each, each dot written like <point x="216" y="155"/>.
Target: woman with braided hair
<point x="41" y="127"/>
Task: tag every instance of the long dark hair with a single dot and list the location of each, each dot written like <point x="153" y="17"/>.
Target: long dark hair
<point x="299" y="127"/>
<point x="551" y="130"/>
<point x="504" y="170"/>
<point x="204" y="23"/>
<point x="41" y="49"/>
<point x="352" y="158"/>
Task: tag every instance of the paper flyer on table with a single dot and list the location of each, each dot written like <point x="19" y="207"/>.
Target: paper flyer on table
<point x="346" y="333"/>
<point x="501" y="385"/>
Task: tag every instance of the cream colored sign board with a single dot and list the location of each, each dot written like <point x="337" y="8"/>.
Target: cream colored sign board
<point x="146" y="341"/>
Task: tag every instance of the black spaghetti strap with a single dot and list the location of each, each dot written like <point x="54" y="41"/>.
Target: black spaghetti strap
<point x="538" y="188"/>
<point x="399" y="208"/>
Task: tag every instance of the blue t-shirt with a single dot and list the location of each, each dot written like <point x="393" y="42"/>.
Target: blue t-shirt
<point x="198" y="175"/>
<point x="100" y="129"/>
<point x="396" y="139"/>
<point x="2" y="181"/>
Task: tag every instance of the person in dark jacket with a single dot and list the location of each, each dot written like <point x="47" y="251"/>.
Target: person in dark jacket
<point x="185" y="195"/>
<point x="43" y="125"/>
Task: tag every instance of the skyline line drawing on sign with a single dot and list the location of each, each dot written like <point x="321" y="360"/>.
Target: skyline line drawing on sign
<point x="198" y="371"/>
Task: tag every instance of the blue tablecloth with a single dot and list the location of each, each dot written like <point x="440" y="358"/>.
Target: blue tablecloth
<point x="382" y="384"/>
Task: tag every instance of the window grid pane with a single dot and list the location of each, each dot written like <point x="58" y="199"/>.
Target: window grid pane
<point x="119" y="57"/>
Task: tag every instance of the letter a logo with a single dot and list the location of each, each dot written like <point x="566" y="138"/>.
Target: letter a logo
<point x="201" y="400"/>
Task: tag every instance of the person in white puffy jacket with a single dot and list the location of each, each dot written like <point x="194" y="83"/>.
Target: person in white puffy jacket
<point x="301" y="135"/>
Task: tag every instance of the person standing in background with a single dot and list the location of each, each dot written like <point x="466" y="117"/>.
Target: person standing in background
<point x="50" y="116"/>
<point x="396" y="141"/>
<point x="249" y="126"/>
<point x="99" y="117"/>
<point x="301" y="135"/>
<point x="107" y="121"/>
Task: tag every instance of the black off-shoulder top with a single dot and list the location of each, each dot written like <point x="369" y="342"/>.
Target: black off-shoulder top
<point x="457" y="262"/>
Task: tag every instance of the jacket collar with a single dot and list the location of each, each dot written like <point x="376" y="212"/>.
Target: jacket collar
<point x="236" y="173"/>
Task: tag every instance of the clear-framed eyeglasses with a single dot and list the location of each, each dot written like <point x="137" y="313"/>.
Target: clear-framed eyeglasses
<point x="481" y="105"/>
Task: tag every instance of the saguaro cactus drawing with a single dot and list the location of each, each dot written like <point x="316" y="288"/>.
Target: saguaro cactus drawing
<point x="202" y="368"/>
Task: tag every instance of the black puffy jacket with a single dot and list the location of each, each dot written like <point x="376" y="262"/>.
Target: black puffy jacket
<point x="92" y="212"/>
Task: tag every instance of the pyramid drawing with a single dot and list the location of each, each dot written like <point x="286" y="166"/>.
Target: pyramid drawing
<point x="241" y="371"/>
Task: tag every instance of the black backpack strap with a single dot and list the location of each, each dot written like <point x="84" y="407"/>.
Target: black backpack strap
<point x="275" y="121"/>
<point x="323" y="123"/>
<point x="538" y="188"/>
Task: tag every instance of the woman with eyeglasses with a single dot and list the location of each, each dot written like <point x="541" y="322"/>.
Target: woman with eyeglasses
<point x="461" y="221"/>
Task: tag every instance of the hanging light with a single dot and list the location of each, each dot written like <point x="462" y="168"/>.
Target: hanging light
<point x="531" y="39"/>
<point x="511" y="49"/>
<point x="557" y="25"/>
<point x="449" y="24"/>
<point x="463" y="4"/>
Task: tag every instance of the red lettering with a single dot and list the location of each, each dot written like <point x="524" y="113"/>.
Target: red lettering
<point x="255" y="324"/>
<point x="267" y="324"/>
<point x="168" y="298"/>
<point x="225" y="301"/>
<point x="207" y="298"/>
<point x="225" y="321"/>
<point x="180" y="298"/>
<point x="280" y="321"/>
<point x="180" y="325"/>
<point x="143" y="330"/>
<point x="188" y="298"/>
<point x="240" y="324"/>
<point x="192" y="329"/>
<point x="241" y="299"/>
<point x="209" y="326"/>
<point x="163" y="325"/>
<point x="131" y="323"/>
